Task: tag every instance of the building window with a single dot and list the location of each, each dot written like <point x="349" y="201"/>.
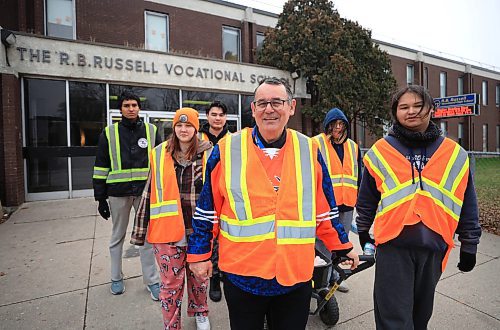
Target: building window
<point x="485" y="92"/>
<point x="442" y="84"/>
<point x="460" y="133"/>
<point x="444" y="128"/>
<point x="426" y="78"/>
<point x="156" y="31"/>
<point x="498" y="138"/>
<point x="409" y="74"/>
<point x="59" y="18"/>
<point x="497" y="97"/>
<point x="460" y="85"/>
<point x="231" y="44"/>
<point x="260" y="40"/>
<point x="485" y="137"/>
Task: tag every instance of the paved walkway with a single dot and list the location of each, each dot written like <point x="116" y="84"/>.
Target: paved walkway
<point x="54" y="274"/>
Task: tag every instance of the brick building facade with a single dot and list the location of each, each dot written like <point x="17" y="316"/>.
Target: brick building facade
<point x="71" y="59"/>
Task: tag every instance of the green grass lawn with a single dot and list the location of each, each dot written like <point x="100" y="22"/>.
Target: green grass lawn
<point x="487" y="180"/>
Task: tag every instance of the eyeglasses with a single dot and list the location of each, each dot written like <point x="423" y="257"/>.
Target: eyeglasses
<point x="276" y="104"/>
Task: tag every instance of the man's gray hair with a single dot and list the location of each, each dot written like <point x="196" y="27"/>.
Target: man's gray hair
<point x="277" y="81"/>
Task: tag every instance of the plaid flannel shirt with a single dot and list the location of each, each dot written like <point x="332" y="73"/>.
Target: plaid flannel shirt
<point x="190" y="182"/>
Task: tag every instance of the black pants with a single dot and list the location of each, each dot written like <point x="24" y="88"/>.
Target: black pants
<point x="405" y="282"/>
<point x="284" y="312"/>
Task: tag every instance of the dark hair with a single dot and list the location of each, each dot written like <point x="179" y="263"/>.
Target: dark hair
<point x="277" y="81"/>
<point x="427" y="99"/>
<point x="128" y="95"/>
<point x="217" y="104"/>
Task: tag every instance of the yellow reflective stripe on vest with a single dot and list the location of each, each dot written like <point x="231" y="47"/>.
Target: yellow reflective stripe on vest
<point x="305" y="176"/>
<point x="324" y="151"/>
<point x="133" y="174"/>
<point x="117" y="174"/>
<point x="100" y="172"/>
<point x="296" y="232"/>
<point x="235" y="174"/>
<point x="455" y="172"/>
<point x="158" y="158"/>
<point x="351" y="146"/>
<point x="252" y="230"/>
<point x="443" y="194"/>
<point x="163" y="209"/>
<point x="114" y="146"/>
<point x="380" y="166"/>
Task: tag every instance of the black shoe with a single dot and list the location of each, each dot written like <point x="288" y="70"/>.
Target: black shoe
<point x="215" y="293"/>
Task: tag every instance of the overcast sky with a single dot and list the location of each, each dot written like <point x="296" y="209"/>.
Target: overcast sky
<point x="463" y="30"/>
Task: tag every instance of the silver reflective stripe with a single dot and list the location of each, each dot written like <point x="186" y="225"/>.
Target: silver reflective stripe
<point x="396" y="196"/>
<point x="307" y="177"/>
<point x="159" y="183"/>
<point x="157" y="210"/>
<point x="354" y="160"/>
<point x="322" y="147"/>
<point x="344" y="180"/>
<point x="459" y="163"/>
<point x="378" y="164"/>
<point x="296" y="232"/>
<point x="247" y="231"/>
<point x="100" y="172"/>
<point x="114" y="144"/>
<point x="126" y="174"/>
<point x="236" y="171"/>
<point x="435" y="193"/>
<point x="152" y="135"/>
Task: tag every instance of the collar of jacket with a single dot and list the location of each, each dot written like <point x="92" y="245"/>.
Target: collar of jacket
<point x="278" y="144"/>
<point x="131" y="124"/>
<point x="413" y="139"/>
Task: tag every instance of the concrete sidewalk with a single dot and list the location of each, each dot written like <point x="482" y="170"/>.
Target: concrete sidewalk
<point x="54" y="274"/>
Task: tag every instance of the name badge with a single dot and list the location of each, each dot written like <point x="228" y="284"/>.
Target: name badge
<point x="143" y="143"/>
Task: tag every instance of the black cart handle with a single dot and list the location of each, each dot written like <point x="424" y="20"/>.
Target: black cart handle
<point x="365" y="261"/>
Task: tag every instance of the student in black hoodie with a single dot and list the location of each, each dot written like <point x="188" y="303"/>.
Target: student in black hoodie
<point x="418" y="192"/>
<point x="213" y="131"/>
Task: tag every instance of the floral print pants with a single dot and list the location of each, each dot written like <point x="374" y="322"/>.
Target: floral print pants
<point x="171" y="260"/>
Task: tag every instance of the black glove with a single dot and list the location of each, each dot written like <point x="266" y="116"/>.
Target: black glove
<point x="364" y="237"/>
<point x="467" y="261"/>
<point x="103" y="209"/>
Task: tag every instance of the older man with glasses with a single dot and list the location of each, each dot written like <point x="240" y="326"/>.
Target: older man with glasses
<point x="268" y="195"/>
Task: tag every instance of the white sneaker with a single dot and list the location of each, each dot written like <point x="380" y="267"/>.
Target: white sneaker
<point x="202" y="322"/>
<point x="343" y="287"/>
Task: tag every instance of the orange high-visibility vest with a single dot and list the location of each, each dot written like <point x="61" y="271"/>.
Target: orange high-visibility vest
<point x="344" y="174"/>
<point x="206" y="154"/>
<point x="265" y="233"/>
<point x="437" y="205"/>
<point x="166" y="223"/>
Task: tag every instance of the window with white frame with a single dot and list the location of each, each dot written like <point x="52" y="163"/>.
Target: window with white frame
<point x="497" y="97"/>
<point x="231" y="44"/>
<point x="444" y="128"/>
<point x="409" y="74"/>
<point x="460" y="85"/>
<point x="460" y="133"/>
<point x="260" y="40"/>
<point x="498" y="138"/>
<point x="442" y="84"/>
<point x="60" y="18"/>
<point x="484" y="90"/>
<point x="485" y="137"/>
<point x="156" y="31"/>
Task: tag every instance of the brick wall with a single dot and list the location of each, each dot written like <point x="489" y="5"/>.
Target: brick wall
<point x="11" y="160"/>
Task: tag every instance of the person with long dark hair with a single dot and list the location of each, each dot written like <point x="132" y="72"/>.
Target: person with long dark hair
<point x="417" y="192"/>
